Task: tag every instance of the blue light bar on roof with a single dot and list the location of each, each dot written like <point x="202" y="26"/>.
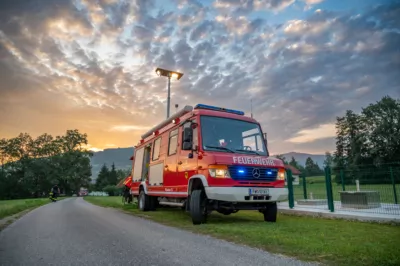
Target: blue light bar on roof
<point x="215" y="108"/>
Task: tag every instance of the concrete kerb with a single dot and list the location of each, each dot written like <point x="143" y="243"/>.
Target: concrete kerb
<point x="341" y="216"/>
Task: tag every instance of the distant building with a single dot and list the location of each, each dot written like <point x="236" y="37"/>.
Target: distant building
<point x="295" y="174"/>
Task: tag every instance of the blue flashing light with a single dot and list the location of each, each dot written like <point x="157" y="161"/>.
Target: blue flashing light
<point x="269" y="173"/>
<point x="241" y="171"/>
<point x="215" y="108"/>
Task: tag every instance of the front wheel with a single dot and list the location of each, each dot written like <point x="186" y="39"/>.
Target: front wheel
<point x="271" y="212"/>
<point x="198" y="207"/>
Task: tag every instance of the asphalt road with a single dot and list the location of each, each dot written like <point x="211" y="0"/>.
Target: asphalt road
<point x="74" y="232"/>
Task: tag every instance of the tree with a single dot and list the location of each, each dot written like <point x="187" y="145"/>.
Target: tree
<point x="123" y="173"/>
<point x="102" y="178"/>
<point x="382" y="123"/>
<point x="312" y="169"/>
<point x="368" y="140"/>
<point x="293" y="162"/>
<point x="309" y="165"/>
<point x="281" y="157"/>
<point x="112" y="178"/>
<point x="328" y="159"/>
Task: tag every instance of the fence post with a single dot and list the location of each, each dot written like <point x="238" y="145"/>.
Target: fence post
<point x="342" y="179"/>
<point x="394" y="185"/>
<point x="290" y="188"/>
<point x="329" y="195"/>
<point x="303" y="177"/>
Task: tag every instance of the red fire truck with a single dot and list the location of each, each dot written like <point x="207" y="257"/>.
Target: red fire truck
<point x="207" y="159"/>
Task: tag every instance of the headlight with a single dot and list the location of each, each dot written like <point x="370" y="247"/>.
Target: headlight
<point x="219" y="171"/>
<point x="281" y="174"/>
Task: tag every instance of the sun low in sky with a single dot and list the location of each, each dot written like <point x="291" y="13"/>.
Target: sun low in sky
<point x="90" y="64"/>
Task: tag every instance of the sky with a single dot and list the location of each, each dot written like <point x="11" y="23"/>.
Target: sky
<point x="90" y="65"/>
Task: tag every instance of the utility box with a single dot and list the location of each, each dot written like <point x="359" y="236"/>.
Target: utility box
<point x="360" y="199"/>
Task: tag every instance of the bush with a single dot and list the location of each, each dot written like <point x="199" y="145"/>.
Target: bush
<point x="112" y="190"/>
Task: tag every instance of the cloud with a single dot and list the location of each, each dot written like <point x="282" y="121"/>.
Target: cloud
<point x="90" y="65"/>
<point x="310" y="135"/>
<point x="310" y="3"/>
<point x="243" y="7"/>
<point x="125" y="128"/>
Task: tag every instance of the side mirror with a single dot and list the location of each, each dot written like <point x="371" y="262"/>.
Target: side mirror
<point x="187" y="139"/>
<point x="187" y="134"/>
<point x="187" y="146"/>
<point x="266" y="143"/>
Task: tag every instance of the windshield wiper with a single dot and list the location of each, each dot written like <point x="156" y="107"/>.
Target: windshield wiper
<point x="249" y="151"/>
<point x="219" y="148"/>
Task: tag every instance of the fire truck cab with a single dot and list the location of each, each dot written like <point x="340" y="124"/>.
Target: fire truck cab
<point x="207" y="159"/>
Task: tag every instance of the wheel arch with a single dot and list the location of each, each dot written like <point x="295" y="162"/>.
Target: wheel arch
<point x="143" y="186"/>
<point x="196" y="182"/>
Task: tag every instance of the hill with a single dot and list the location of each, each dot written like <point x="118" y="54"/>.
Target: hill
<point x="119" y="156"/>
<point x="302" y="157"/>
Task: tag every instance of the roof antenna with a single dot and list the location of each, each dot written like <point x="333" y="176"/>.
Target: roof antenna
<point x="251" y="106"/>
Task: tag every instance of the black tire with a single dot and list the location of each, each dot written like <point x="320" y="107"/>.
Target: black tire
<point x="143" y="201"/>
<point x="153" y="201"/>
<point x="271" y="212"/>
<point x="198" y="206"/>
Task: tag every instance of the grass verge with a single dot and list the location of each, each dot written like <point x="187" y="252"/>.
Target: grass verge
<point x="11" y="207"/>
<point x="333" y="242"/>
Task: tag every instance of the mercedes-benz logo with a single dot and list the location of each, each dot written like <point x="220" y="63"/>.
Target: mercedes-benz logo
<point x="256" y="173"/>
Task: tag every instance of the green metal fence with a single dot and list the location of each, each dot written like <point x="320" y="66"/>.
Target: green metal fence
<point x="368" y="189"/>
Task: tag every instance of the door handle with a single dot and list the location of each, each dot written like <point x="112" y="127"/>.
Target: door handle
<point x="166" y="166"/>
<point x="180" y="162"/>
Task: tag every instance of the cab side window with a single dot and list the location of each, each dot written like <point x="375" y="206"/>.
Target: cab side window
<point x="195" y="133"/>
<point x="156" y="149"/>
<point x="173" y="142"/>
<point x="187" y="124"/>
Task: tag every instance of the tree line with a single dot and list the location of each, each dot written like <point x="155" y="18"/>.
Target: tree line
<point x="310" y="168"/>
<point x="31" y="166"/>
<point x="107" y="179"/>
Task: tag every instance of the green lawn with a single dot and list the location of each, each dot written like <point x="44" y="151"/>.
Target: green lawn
<point x="11" y="207"/>
<point x="317" y="186"/>
<point x="335" y="242"/>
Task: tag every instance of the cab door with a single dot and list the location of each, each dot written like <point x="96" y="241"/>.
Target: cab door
<point x="170" y="167"/>
<point x="186" y="167"/>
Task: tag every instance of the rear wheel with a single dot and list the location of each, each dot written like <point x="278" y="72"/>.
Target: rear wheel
<point x="153" y="202"/>
<point x="271" y="212"/>
<point x="144" y="201"/>
<point x="198" y="207"/>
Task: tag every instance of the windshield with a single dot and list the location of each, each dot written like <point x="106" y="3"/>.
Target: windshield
<point x="231" y="135"/>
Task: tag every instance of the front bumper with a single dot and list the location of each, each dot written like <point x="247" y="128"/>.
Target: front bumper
<point x="241" y="194"/>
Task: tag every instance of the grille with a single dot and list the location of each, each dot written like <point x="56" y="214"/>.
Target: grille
<point x="245" y="173"/>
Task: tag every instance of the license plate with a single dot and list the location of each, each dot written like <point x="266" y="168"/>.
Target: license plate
<point x="258" y="191"/>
